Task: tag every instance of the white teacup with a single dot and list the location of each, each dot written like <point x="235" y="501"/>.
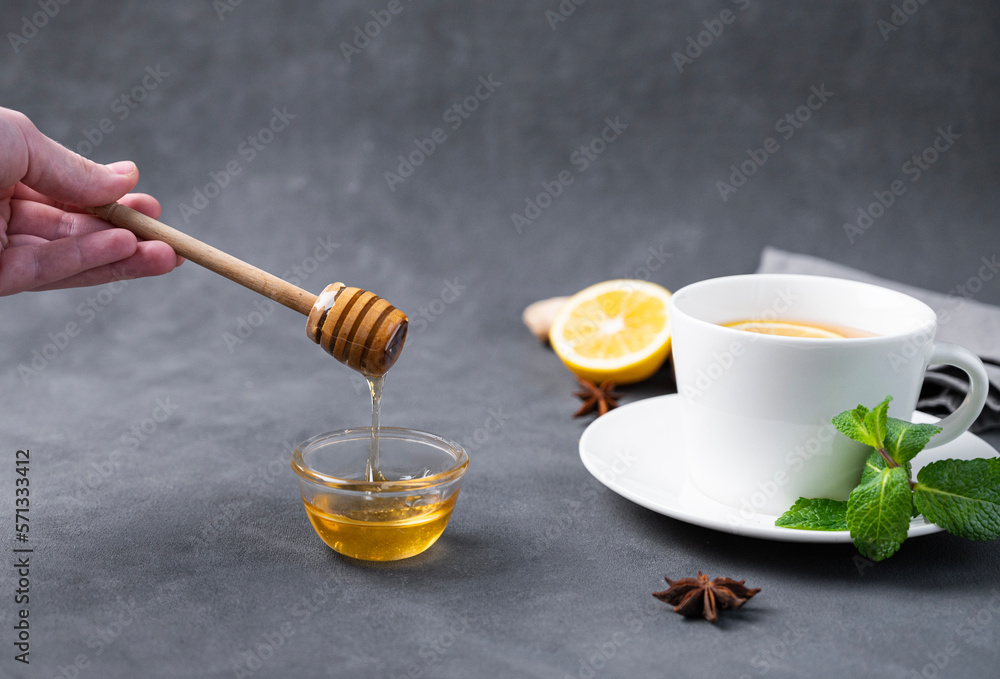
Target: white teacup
<point x="758" y="407"/>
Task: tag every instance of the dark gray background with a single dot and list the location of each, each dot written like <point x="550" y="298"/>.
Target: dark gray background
<point x="173" y="555"/>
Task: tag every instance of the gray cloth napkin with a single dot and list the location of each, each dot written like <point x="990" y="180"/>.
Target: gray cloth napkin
<point x="973" y="325"/>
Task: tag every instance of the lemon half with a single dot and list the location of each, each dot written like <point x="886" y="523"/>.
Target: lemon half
<point x="785" y="328"/>
<point x="616" y="330"/>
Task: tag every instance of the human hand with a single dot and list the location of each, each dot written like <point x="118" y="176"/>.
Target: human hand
<point x="45" y="241"/>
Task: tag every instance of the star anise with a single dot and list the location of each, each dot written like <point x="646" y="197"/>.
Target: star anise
<point x="600" y="397"/>
<point x="693" y="597"/>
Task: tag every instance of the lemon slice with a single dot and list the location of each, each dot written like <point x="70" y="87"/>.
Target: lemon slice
<point x="616" y="330"/>
<point x="785" y="328"/>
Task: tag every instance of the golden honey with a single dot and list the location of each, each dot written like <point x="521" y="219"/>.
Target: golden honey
<point x="377" y="527"/>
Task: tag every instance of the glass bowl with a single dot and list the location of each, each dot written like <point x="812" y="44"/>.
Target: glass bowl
<point x="379" y="520"/>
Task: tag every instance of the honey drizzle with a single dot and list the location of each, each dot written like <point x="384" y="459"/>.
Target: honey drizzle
<point x="373" y="468"/>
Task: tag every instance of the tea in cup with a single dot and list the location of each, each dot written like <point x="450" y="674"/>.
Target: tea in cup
<point x="763" y="363"/>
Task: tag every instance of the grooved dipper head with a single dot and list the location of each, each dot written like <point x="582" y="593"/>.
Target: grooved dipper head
<point x="358" y="328"/>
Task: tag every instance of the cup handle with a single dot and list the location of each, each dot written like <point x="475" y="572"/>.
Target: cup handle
<point x="955" y="424"/>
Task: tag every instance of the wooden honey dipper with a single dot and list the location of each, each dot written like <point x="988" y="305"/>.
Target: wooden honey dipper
<point x="357" y="327"/>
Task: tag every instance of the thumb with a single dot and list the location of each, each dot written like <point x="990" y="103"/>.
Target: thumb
<point x="65" y="176"/>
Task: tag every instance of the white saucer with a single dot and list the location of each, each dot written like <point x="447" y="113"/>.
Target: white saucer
<point x="637" y="451"/>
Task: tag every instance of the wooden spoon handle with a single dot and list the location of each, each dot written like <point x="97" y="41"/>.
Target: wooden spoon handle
<point x="357" y="327"/>
<point x="224" y="264"/>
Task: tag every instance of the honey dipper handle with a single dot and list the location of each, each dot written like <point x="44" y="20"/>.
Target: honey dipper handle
<point x="224" y="264"/>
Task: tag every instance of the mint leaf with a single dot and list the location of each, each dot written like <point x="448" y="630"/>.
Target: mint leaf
<point x="816" y="514"/>
<point x="875" y="421"/>
<point x="874" y="466"/>
<point x="961" y="496"/>
<point x="903" y="440"/>
<point x="851" y="423"/>
<point x="863" y="425"/>
<point x="878" y="513"/>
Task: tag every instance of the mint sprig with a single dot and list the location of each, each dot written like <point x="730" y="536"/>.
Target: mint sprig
<point x="878" y="513"/>
<point x="818" y="514"/>
<point x="961" y="496"/>
<point x="903" y="440"/>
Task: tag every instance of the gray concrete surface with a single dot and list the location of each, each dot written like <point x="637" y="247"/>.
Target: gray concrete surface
<point x="168" y="534"/>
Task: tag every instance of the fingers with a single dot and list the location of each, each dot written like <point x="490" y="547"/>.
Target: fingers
<point x="143" y="202"/>
<point x="21" y="239"/>
<point x="151" y="258"/>
<point x="51" y="223"/>
<point x="31" y="267"/>
<point x="45" y="166"/>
